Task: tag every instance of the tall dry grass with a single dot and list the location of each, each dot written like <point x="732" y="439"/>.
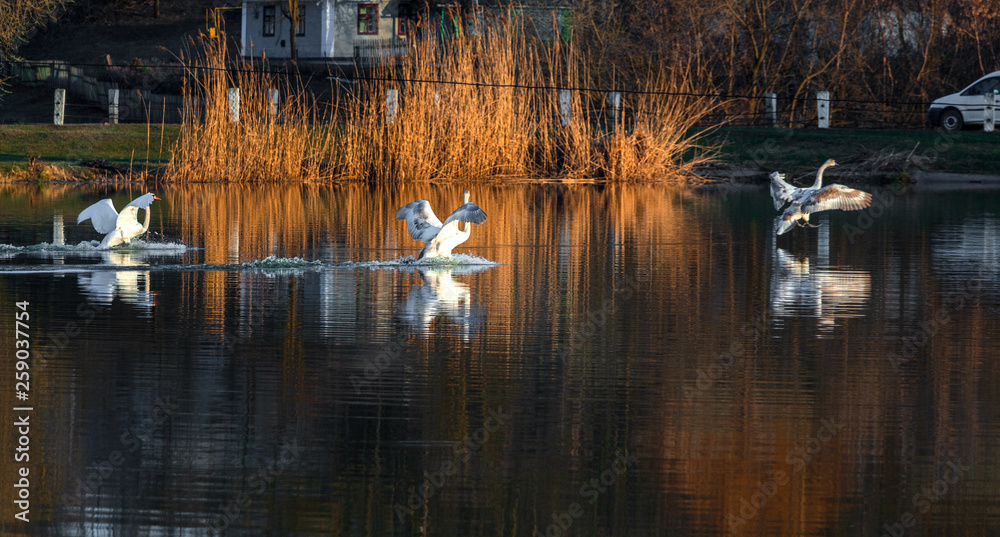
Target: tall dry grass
<point x="262" y="145"/>
<point x="479" y="105"/>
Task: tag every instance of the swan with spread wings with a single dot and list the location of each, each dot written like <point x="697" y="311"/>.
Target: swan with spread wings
<point x="805" y="201"/>
<point x="440" y="238"/>
<point x="118" y="227"/>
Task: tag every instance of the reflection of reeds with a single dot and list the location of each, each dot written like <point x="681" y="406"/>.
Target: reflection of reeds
<point x="493" y="114"/>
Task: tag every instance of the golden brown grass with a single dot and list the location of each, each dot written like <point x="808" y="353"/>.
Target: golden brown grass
<point x="478" y="106"/>
<point x="262" y="146"/>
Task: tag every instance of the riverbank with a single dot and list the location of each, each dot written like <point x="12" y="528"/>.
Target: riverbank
<point x="83" y="152"/>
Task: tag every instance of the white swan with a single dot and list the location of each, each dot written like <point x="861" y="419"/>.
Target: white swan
<point x="440" y="238"/>
<point x="805" y="201"/>
<point x="119" y="228"/>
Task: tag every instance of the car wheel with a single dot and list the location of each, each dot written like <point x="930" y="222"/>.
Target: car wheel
<point x="951" y="120"/>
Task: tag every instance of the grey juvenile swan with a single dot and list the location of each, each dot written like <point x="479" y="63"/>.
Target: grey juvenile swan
<point x="805" y="201"/>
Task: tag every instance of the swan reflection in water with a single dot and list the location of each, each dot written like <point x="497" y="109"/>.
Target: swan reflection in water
<point x="131" y="286"/>
<point x="441" y="296"/>
<point x="803" y="288"/>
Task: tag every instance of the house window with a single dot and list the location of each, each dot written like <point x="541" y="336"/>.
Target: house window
<point x="268" y="21"/>
<point x="301" y="28"/>
<point x="405" y="18"/>
<point x="367" y="19"/>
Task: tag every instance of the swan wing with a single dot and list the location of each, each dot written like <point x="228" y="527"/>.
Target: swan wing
<point x="837" y="197"/>
<point x="783" y="223"/>
<point x="142" y="201"/>
<point x="421" y="221"/>
<point x="102" y="214"/>
<point x="469" y="212"/>
<point x="781" y="192"/>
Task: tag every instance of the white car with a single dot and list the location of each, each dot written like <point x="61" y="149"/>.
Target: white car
<point x="965" y="107"/>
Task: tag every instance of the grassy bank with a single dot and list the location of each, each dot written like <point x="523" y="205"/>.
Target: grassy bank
<point x="887" y="151"/>
<point x="26" y="146"/>
<point x="751" y="149"/>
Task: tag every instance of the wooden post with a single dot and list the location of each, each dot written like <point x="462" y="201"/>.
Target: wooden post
<point x="989" y="112"/>
<point x="113" y="106"/>
<point x="391" y="105"/>
<point x="823" y="109"/>
<point x="771" y="110"/>
<point x="614" y="106"/>
<point x="58" y="115"/>
<point x="234" y="105"/>
<point x="272" y="101"/>
<point x="58" y="235"/>
<point x="564" y="106"/>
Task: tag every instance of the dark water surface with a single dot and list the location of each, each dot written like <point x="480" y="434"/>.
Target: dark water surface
<point x="642" y="361"/>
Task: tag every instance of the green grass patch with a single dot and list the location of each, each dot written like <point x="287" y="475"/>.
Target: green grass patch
<point x="69" y="144"/>
<point x="764" y="149"/>
<point x="755" y="149"/>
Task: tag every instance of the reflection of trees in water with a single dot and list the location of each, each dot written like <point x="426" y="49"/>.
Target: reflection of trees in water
<point x="701" y="279"/>
<point x="972" y="247"/>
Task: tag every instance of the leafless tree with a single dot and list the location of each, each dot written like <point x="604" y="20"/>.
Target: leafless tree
<point x="18" y="19"/>
<point x="291" y="10"/>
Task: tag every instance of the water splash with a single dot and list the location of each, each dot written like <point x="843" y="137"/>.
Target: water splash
<point x="455" y="260"/>
<point x="93" y="246"/>
<point x="274" y="262"/>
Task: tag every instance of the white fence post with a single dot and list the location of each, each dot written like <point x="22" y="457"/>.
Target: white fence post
<point x="273" y="101"/>
<point x="989" y="112"/>
<point x="113" y="106"/>
<point x="823" y="109"/>
<point x="615" y="106"/>
<point x="771" y="109"/>
<point x="234" y="105"/>
<point x="58" y="115"/>
<point x="564" y="106"/>
<point x="391" y="105"/>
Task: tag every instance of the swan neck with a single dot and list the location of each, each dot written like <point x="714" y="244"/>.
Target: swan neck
<point x="819" y="176"/>
<point x="145" y="224"/>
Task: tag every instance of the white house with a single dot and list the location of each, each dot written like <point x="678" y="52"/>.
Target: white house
<point x="328" y="30"/>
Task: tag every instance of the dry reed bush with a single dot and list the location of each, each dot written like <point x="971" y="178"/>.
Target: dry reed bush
<point x="464" y="128"/>
<point x="476" y="106"/>
<point x="262" y="146"/>
<point x="495" y="114"/>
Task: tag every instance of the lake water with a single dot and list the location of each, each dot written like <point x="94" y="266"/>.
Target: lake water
<point x="599" y="361"/>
